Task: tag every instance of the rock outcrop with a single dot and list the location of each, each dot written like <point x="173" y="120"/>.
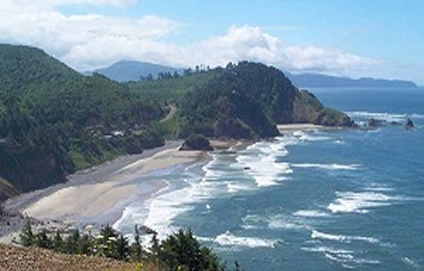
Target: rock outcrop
<point x="196" y="142"/>
<point x="409" y="124"/>
<point x="374" y="123"/>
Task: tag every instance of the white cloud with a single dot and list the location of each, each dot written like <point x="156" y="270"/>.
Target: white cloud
<point x="253" y="43"/>
<point x="87" y="2"/>
<point x="93" y="40"/>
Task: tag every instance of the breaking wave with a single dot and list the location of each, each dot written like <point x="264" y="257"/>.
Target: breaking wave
<point x="328" y="166"/>
<point x="342" y="238"/>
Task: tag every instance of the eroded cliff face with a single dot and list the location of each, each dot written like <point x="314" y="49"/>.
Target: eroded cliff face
<point x="6" y="190"/>
<point x="308" y="109"/>
<point x="31" y="169"/>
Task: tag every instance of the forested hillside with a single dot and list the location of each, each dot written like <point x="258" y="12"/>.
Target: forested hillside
<point x="54" y="121"/>
<point x="239" y="101"/>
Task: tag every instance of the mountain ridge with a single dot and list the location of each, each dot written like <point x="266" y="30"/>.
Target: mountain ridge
<point x="129" y="70"/>
<point x="311" y="80"/>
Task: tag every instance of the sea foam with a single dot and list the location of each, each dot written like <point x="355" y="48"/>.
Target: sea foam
<point x="328" y="166"/>
<point x="360" y="202"/>
<point x="311" y="213"/>
<point x="341" y="238"/>
<point x="229" y="239"/>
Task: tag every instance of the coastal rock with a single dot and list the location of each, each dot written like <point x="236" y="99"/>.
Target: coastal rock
<point x="409" y="124"/>
<point x="196" y="142"/>
<point x="374" y="123"/>
<point x="232" y="128"/>
<point x="147" y="230"/>
<point x="395" y="123"/>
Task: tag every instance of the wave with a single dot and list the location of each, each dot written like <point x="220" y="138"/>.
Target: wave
<point x="328" y="166"/>
<point x="410" y="262"/>
<point x="340" y="256"/>
<point x="389" y="117"/>
<point x="164" y="208"/>
<point x="379" y="188"/>
<point x="342" y="238"/>
<point x="273" y="222"/>
<point x="260" y="161"/>
<point x="310" y="213"/>
<point x="237" y="187"/>
<point x="417" y="116"/>
<point x="327" y="250"/>
<point x="339" y="142"/>
<point x="308" y="136"/>
<point x="263" y="159"/>
<point x="384" y="116"/>
<point x="229" y="239"/>
<point x="360" y="202"/>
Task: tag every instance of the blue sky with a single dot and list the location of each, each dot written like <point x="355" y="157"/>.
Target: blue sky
<point x="379" y="38"/>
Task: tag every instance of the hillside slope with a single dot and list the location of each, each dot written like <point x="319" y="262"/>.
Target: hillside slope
<point x="54" y="121"/>
<point x="239" y="101"/>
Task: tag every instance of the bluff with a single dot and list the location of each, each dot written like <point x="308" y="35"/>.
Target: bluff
<point x="247" y="100"/>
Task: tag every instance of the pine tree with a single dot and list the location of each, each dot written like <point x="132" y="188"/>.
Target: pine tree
<point x="122" y="248"/>
<point x="72" y="242"/>
<point x="27" y="237"/>
<point x="58" y="244"/>
<point x="85" y="245"/>
<point x="136" y="250"/>
<point x="155" y="249"/>
<point x="42" y="240"/>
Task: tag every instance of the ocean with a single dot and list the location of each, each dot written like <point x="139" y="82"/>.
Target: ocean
<point x="317" y="200"/>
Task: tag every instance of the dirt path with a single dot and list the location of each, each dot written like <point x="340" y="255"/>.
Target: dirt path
<point x="171" y="113"/>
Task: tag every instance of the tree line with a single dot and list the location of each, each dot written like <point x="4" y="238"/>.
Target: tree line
<point x="180" y="251"/>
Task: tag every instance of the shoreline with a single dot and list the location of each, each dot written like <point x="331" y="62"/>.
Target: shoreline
<point x="92" y="175"/>
<point x="99" y="195"/>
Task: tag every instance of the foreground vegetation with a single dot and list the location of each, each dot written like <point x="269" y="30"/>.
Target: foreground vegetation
<point x="180" y="251"/>
<point x="15" y="258"/>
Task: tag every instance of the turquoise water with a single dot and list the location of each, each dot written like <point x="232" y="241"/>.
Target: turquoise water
<point x="319" y="200"/>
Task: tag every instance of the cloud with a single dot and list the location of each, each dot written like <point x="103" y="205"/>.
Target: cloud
<point x="89" y="41"/>
<point x="86" y="2"/>
<point x="253" y="43"/>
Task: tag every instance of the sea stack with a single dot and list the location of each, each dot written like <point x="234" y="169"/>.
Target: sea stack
<point x="196" y="142"/>
<point x="409" y="124"/>
<point x="374" y="123"/>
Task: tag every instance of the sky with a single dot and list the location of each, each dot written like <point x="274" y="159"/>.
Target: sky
<point x="356" y="38"/>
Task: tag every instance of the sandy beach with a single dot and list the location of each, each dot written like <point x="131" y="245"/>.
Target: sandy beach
<point x="101" y="191"/>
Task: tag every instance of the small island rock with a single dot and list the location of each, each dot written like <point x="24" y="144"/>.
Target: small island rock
<point x="374" y="123"/>
<point x="196" y="142"/>
<point x="409" y="124"/>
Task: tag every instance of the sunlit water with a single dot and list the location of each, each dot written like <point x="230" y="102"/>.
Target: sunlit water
<point x="319" y="200"/>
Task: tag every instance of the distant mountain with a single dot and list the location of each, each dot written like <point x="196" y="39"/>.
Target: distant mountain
<point x="125" y="71"/>
<point x="310" y="80"/>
